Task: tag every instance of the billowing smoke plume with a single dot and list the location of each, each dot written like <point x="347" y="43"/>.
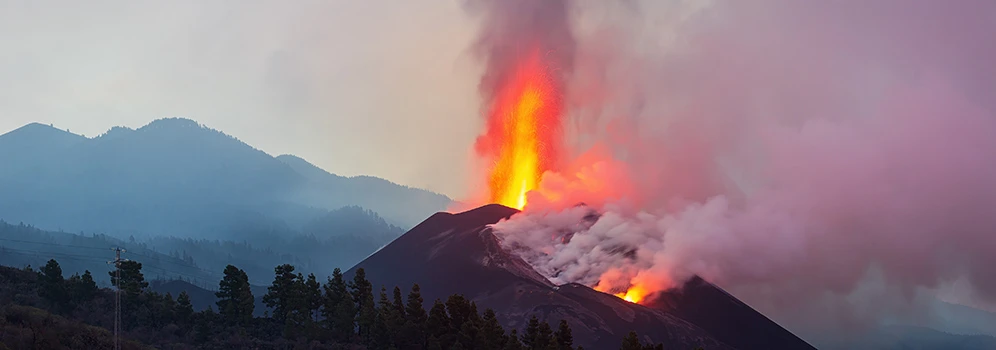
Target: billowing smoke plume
<point x="791" y="152"/>
<point x="512" y="27"/>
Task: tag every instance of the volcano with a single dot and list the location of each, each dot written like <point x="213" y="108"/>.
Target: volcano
<point x="458" y="254"/>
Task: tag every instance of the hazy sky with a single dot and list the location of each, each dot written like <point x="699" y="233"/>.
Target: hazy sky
<point x="376" y="87"/>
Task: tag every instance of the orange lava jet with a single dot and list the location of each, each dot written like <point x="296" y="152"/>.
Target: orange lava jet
<point x="523" y="131"/>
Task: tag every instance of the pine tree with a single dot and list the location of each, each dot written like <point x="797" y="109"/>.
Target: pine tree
<point x="545" y="337"/>
<point x="416" y="317"/>
<point x="470" y="334"/>
<point x="399" y="303"/>
<point x="204" y="326"/>
<point x="132" y="280"/>
<point x="81" y="288"/>
<point x="631" y="342"/>
<point x="362" y="292"/>
<point x="339" y="310"/>
<point x="280" y="293"/>
<point x="383" y="333"/>
<point x="494" y="334"/>
<point x="235" y="299"/>
<point x="512" y="341"/>
<point x="531" y="334"/>
<point x="314" y="296"/>
<point x="53" y="286"/>
<point x="184" y="310"/>
<point x="366" y="318"/>
<point x="438" y="324"/>
<point x="459" y="309"/>
<point x="565" y="340"/>
<point x="298" y="308"/>
<point x="359" y="287"/>
<point x="167" y="309"/>
<point x="132" y="285"/>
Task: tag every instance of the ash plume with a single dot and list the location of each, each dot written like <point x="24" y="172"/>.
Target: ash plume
<point x="510" y="28"/>
<point x="805" y="156"/>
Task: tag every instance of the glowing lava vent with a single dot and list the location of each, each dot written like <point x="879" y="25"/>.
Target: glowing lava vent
<point x="523" y="131"/>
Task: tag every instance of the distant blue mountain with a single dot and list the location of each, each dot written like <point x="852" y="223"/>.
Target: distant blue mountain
<point x="175" y="177"/>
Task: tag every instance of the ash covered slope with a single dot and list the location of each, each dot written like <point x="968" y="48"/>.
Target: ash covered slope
<point x="725" y="317"/>
<point x="457" y="253"/>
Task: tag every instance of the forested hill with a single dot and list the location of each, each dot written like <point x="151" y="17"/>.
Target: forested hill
<point x="342" y="237"/>
<point x="175" y="177"/>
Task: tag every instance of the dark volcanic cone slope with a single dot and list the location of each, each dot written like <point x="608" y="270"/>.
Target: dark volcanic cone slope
<point x="725" y="317"/>
<point x="458" y="254"/>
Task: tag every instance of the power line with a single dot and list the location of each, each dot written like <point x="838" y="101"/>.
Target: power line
<point x="44" y="254"/>
<point x="53" y="244"/>
<point x="90" y="258"/>
<point x="212" y="273"/>
<point x="68" y="255"/>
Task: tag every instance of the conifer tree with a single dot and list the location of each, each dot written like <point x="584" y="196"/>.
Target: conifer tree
<point x="631" y="342"/>
<point x="362" y="292"/>
<point x="298" y="308"/>
<point x="459" y="310"/>
<point x="280" y="294"/>
<point x="132" y="280"/>
<point x="381" y="334"/>
<point x="531" y="335"/>
<point x="132" y="284"/>
<point x="494" y="334"/>
<point x="204" y="326"/>
<point x="82" y="288"/>
<point x="470" y="334"/>
<point x="53" y="286"/>
<point x="339" y="310"/>
<point x="314" y="296"/>
<point x="399" y="303"/>
<point x="235" y="299"/>
<point x="168" y="309"/>
<point x="438" y="324"/>
<point x="512" y="341"/>
<point x="184" y="310"/>
<point x="414" y="329"/>
<point x="545" y="337"/>
<point x="565" y="340"/>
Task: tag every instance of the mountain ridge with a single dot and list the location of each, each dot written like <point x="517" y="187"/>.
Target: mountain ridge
<point x="175" y="176"/>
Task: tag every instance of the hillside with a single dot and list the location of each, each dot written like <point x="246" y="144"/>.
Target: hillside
<point x="340" y="239"/>
<point x="175" y="177"/>
<point x="364" y="191"/>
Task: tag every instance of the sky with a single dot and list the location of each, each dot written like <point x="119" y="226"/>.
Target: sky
<point x="375" y="87"/>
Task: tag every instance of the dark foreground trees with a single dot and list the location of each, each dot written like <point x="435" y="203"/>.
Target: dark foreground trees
<point x="235" y="300"/>
<point x="302" y="313"/>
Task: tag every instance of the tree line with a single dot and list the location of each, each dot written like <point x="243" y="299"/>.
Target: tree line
<point x="301" y="312"/>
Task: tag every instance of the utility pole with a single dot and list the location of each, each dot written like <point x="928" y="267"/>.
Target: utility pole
<point x="117" y="293"/>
